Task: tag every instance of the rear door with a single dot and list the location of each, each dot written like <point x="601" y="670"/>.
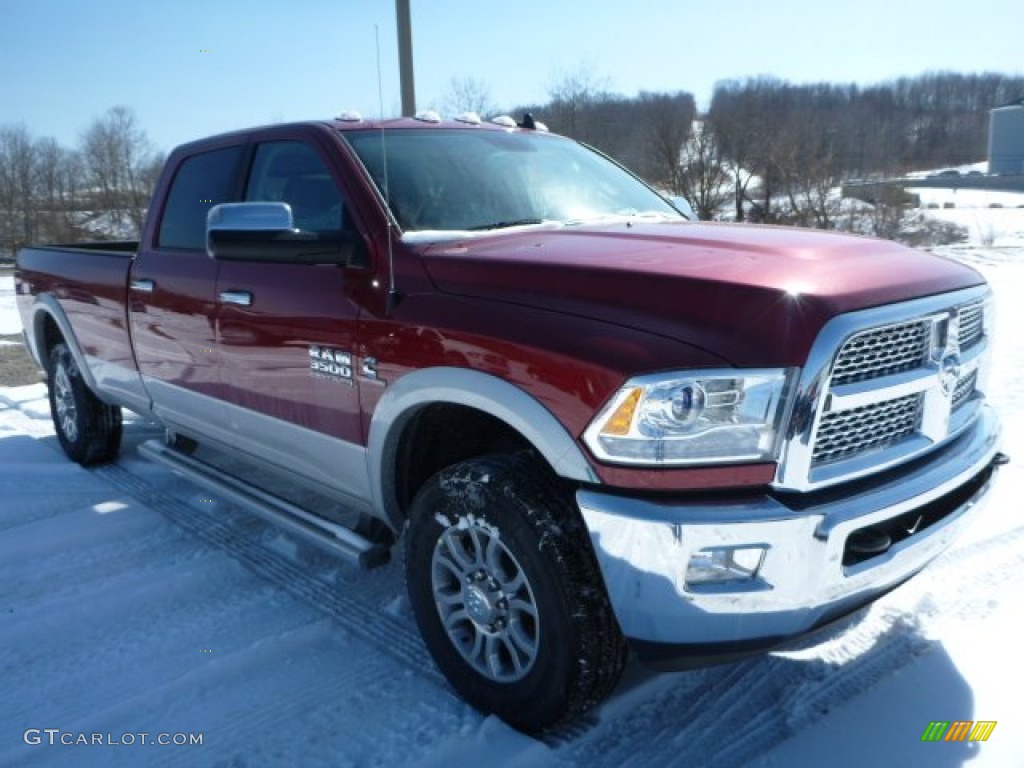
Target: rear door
<point x="286" y="332"/>
<point x="172" y="300"/>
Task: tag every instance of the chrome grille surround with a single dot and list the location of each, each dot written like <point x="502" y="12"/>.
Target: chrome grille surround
<point x="852" y="414"/>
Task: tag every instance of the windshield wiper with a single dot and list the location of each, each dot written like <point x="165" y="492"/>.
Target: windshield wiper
<point x="504" y="224"/>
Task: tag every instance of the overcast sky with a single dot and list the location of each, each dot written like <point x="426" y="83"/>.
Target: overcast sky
<point x="189" y="68"/>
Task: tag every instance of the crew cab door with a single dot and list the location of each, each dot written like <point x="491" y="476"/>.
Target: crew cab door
<point x="286" y="332"/>
<point x="171" y="299"/>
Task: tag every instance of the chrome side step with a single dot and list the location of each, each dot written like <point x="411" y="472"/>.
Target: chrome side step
<point x="336" y="539"/>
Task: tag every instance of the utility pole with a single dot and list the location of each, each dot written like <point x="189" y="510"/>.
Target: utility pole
<point x="405" y="57"/>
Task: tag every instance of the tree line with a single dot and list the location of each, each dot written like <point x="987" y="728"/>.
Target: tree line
<point x="775" y="151"/>
<point x="765" y="149"/>
<point x="98" y="189"/>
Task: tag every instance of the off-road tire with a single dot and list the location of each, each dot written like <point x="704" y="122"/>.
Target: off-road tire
<point x="88" y="429"/>
<point x="507" y="514"/>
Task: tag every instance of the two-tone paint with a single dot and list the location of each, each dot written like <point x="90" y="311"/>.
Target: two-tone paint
<point x="537" y="328"/>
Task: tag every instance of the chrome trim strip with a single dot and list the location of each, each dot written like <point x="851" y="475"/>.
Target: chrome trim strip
<point x="813" y="396"/>
<point x="644" y="548"/>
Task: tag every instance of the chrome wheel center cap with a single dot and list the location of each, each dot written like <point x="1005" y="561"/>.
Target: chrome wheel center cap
<point x="480" y="605"/>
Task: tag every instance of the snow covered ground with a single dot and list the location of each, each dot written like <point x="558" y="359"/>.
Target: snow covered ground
<point x="131" y="602"/>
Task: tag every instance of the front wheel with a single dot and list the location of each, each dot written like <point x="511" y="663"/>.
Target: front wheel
<point x="88" y="429"/>
<point x="507" y="593"/>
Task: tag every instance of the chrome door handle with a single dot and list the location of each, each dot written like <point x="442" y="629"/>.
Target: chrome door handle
<point x="242" y="298"/>
<point x="144" y="285"/>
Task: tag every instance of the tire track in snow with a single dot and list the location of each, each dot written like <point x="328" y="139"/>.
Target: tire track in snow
<point x="726" y="716"/>
<point x="154" y="626"/>
<point x="253" y="700"/>
<point x="391" y="635"/>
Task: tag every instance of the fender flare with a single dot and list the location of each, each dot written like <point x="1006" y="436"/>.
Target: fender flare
<point x="482" y="391"/>
<point x="47" y="306"/>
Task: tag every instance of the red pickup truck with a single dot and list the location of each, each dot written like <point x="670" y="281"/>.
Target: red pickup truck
<point x="597" y="425"/>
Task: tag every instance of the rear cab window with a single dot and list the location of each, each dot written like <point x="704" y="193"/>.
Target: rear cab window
<point x="201" y="182"/>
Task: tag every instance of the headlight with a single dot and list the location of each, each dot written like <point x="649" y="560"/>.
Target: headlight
<point x="695" y="417"/>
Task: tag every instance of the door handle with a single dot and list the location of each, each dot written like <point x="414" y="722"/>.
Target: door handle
<point x="144" y="285"/>
<point x="242" y="298"/>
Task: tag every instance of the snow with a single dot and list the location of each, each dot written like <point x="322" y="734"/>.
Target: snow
<point x="131" y="602"/>
<point x="10" y="323"/>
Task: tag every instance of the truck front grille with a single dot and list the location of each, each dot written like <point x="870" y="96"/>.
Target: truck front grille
<point x="844" y="434"/>
<point x="884" y="385"/>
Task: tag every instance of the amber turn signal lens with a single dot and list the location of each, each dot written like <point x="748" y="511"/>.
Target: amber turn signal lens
<point x="621" y="420"/>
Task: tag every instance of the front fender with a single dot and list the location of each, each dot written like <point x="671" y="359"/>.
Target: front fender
<point x="473" y="389"/>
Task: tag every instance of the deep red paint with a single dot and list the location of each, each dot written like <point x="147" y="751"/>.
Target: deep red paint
<point x="567" y="315"/>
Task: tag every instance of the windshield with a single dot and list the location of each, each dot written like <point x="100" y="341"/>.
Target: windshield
<point x="457" y="179"/>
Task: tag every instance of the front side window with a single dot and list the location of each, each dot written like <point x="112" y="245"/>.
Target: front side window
<point x="202" y="181"/>
<point x="292" y="172"/>
<point x="456" y="179"/>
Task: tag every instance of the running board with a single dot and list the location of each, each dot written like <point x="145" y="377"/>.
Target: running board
<point x="334" y="538"/>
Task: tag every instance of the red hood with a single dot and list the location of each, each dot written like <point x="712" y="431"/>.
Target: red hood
<point x="753" y="295"/>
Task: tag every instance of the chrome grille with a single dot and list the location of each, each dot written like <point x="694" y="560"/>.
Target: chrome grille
<point x="885" y="385"/>
<point x="964" y="388"/>
<point x="882" y="352"/>
<point x="971" y="325"/>
<point x="848" y="433"/>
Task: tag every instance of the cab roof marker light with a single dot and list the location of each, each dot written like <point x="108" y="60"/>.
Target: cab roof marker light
<point x="504" y="121"/>
<point x="428" y="116"/>
<point x="350" y="117"/>
<point x="470" y="118"/>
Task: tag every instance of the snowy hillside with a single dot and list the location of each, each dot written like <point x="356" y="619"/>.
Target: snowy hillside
<point x="133" y="603"/>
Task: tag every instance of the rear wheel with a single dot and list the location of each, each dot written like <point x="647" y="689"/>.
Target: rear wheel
<point x="88" y="429"/>
<point x="507" y="593"/>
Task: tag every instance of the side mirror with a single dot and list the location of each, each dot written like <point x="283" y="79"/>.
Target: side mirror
<point x="266" y="232"/>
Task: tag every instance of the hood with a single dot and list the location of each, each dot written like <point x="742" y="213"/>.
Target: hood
<point x="753" y="295"/>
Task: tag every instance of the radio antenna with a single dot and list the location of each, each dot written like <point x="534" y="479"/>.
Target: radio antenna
<point x="392" y="299"/>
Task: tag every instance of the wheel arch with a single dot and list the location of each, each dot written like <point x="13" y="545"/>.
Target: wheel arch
<point x="50" y="325"/>
<point x="477" y="395"/>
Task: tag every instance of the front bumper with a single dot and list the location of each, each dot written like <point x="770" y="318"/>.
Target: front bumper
<point x="645" y="548"/>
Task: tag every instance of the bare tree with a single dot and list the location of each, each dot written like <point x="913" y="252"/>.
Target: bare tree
<point x="574" y="97"/>
<point x="468" y="94"/>
<point x="704" y="179"/>
<point x="117" y="157"/>
<point x="668" y="120"/>
<point x="17" y="174"/>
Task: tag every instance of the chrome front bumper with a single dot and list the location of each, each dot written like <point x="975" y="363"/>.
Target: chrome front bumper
<point x="645" y="548"/>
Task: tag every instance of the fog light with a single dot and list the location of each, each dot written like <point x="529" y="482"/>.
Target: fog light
<point x="717" y="565"/>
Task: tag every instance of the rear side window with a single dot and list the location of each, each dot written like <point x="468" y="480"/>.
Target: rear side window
<point x="201" y="182"/>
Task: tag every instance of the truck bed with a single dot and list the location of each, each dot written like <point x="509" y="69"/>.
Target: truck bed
<point x="89" y="280"/>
